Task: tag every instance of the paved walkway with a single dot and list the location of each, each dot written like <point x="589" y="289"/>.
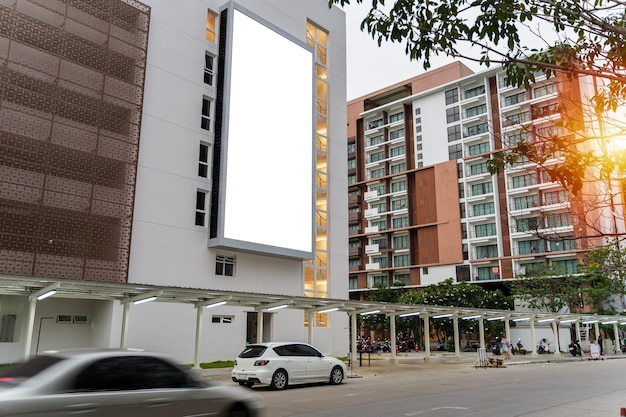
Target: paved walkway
<point x="381" y="364"/>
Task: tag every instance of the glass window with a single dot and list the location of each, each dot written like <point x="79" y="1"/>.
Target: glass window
<point x="527" y="224"/>
<point x="477" y="129"/>
<point x="396" y="134"/>
<point x="487" y="251"/>
<point x="211" y="18"/>
<point x="377" y="173"/>
<point x="203" y="161"/>
<point x="559" y="220"/>
<point x="382" y="224"/>
<point x="400" y="222"/>
<point x="476" y="110"/>
<point x="483" y="230"/>
<point x="479" y="148"/>
<point x="381" y="280"/>
<point x="354" y="283"/>
<point x="398" y="186"/>
<point x="454" y="133"/>
<point x="395" y="169"/>
<point x="482" y="188"/>
<point x="530" y="246"/>
<point x="569" y="266"/>
<point x="200" y="208"/>
<point x="525" y="180"/>
<point x="225" y="265"/>
<point x="401" y="260"/>
<point x="555" y="197"/>
<point x="529" y="201"/>
<point x="476" y="91"/>
<point x="396" y="117"/>
<point x="208" y="68"/>
<point x="381" y="260"/>
<point x="376" y="140"/>
<point x="401" y="241"/>
<point x="563" y="244"/>
<point x="398" y="204"/>
<point x="405" y="279"/>
<point x="397" y="151"/>
<point x="488" y="273"/>
<point x="483" y="209"/>
<point x="452" y="96"/>
<point x="455" y="151"/>
<point x="515" y="98"/>
<point x="206" y="114"/>
<point x="453" y="114"/>
<point x="377" y="156"/>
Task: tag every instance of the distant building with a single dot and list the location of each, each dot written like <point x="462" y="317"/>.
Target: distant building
<point x="195" y="144"/>
<point x="423" y="206"/>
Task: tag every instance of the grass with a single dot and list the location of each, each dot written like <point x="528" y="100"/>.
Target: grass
<point x="213" y="365"/>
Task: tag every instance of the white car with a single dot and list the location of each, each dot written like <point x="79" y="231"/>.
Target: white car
<point x="280" y="364"/>
<point x="120" y="383"/>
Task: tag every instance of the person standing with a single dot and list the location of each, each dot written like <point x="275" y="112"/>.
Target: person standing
<point x="506" y="347"/>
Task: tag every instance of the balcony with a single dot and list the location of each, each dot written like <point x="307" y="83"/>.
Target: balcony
<point x="372" y="249"/>
<point x="369" y="213"/>
<point x="372" y="266"/>
<point x="371" y="195"/>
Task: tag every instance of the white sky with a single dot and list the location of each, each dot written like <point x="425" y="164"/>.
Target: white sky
<point x="371" y="68"/>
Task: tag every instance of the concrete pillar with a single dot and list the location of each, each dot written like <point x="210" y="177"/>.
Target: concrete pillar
<point x="616" y="343"/>
<point x="259" y="326"/>
<point x="30" y="325"/>
<point x="481" y="332"/>
<point x="392" y="331"/>
<point x="125" y="318"/>
<point x="353" y="333"/>
<point x="457" y="342"/>
<point x="533" y="340"/>
<point x="311" y="316"/>
<point x="557" y="343"/>
<point x="596" y="329"/>
<point x="577" y="326"/>
<point x="507" y="330"/>
<point x="196" y="353"/>
<point x="426" y="319"/>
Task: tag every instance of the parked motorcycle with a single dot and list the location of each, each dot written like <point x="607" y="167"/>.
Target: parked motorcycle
<point x="574" y="348"/>
<point x="543" y="346"/>
<point x="519" y="348"/>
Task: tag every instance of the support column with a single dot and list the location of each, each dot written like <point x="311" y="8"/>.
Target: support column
<point x="555" y="330"/>
<point x="616" y="343"/>
<point x="533" y="342"/>
<point x="481" y="332"/>
<point x="311" y="315"/>
<point x="507" y="331"/>
<point x="596" y="329"/>
<point x="196" y="353"/>
<point x="457" y="342"/>
<point x="426" y="319"/>
<point x="259" y="326"/>
<point x="30" y="325"/>
<point x="392" y="331"/>
<point x="577" y="326"/>
<point x="353" y="340"/>
<point x="125" y="318"/>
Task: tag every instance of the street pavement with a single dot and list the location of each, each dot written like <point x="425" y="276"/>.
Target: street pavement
<point x="370" y="366"/>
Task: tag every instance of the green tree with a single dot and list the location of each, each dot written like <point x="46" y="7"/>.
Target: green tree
<point x="587" y="38"/>
<point x="462" y="294"/>
<point x="604" y="270"/>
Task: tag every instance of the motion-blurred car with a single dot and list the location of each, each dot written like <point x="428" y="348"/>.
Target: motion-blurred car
<point x="118" y="383"/>
<point x="281" y="364"/>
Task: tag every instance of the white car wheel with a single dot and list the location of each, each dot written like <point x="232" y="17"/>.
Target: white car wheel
<point x="336" y="375"/>
<point x="279" y="380"/>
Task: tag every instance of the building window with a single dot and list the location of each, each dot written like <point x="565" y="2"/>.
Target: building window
<point x="377" y="156"/>
<point x="381" y="242"/>
<point x="453" y="114"/>
<point x="396" y="117"/>
<point x="476" y="91"/>
<point x="222" y="319"/>
<point x="479" y="148"/>
<point x="401" y="241"/>
<point x="559" y="220"/>
<point x="7" y="331"/>
<point x="487" y="273"/>
<point x="206" y="114"/>
<point x="488" y="251"/>
<point x="529" y="201"/>
<point x="377" y="173"/>
<point x="398" y="186"/>
<point x="483" y="209"/>
<point x="208" y="69"/>
<point x="351" y="163"/>
<point x="395" y="169"/>
<point x="381" y="224"/>
<point x="523" y="181"/>
<point x="454" y="133"/>
<point x="462" y="210"/>
<point x="351" y="179"/>
<point x="401" y="260"/>
<point x="418" y="111"/>
<point x="564" y="244"/>
<point x="555" y="197"/>
<point x="354" y="283"/>
<point x="380" y="188"/>
<point x="396" y="134"/>
<point x="398" y="204"/>
<point x="400" y="222"/>
<point x="201" y="208"/>
<point x="211" y="18"/>
<point x="478" y="169"/>
<point x="452" y="96"/>
<point x="476" y="110"/>
<point x="375" y="140"/>
<point x="569" y="266"/>
<point x="203" y="161"/>
<point x="381" y="261"/>
<point x="483" y="230"/>
<point x="225" y="265"/>
<point x="529" y="246"/>
<point x="482" y="188"/>
<point x="381" y="280"/>
<point x="397" y="151"/>
<point x="403" y="279"/>
<point x="425" y="270"/>
<point x="527" y="224"/>
<point x="515" y="98"/>
<point x="455" y="152"/>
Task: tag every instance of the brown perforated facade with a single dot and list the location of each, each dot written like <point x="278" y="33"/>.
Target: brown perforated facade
<point x="71" y="91"/>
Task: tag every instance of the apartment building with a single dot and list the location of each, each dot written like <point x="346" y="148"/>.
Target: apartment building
<point x="423" y="206"/>
<point x="196" y="144"/>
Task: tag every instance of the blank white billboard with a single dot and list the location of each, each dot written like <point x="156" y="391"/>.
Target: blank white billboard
<point x="267" y="143"/>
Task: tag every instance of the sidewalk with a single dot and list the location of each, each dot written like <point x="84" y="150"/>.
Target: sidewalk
<point x="381" y="364"/>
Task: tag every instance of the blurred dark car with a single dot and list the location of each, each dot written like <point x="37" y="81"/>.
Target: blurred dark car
<point x="119" y="383"/>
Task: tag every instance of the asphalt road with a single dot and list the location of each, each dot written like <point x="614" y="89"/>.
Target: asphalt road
<point x="581" y="388"/>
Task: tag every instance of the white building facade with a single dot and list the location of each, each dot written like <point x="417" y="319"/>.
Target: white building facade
<point x="170" y="156"/>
